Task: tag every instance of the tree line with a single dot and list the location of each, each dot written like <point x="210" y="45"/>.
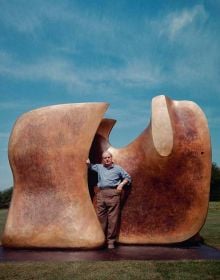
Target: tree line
<point x="5" y="195"/>
<point x="215" y="183"/>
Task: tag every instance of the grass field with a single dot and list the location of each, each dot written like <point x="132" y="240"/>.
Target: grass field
<point x="126" y="270"/>
<point x="174" y="270"/>
<point x="211" y="230"/>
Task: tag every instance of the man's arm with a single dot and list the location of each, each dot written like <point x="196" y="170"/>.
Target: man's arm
<point x="122" y="184"/>
<point x="126" y="180"/>
<point x="91" y="166"/>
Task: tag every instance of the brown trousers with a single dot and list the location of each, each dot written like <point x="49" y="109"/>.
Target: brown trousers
<point x="108" y="211"/>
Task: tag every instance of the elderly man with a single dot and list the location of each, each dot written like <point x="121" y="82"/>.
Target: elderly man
<point x="111" y="180"/>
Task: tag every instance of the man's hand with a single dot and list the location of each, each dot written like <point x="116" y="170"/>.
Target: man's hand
<point x="119" y="188"/>
<point x="121" y="185"/>
<point x="88" y="161"/>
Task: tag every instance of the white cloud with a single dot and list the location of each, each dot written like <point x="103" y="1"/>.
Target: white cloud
<point x="185" y="18"/>
<point x="107" y="39"/>
<point x="62" y="71"/>
<point x="30" y="16"/>
<point x="194" y="61"/>
<point x="56" y="70"/>
<point x="82" y="26"/>
<point x="176" y="22"/>
<point x="140" y="73"/>
<point x="133" y="73"/>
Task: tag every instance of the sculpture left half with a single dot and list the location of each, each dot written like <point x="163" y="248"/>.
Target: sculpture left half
<point x="51" y="206"/>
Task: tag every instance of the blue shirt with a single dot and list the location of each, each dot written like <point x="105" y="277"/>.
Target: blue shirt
<point x="110" y="176"/>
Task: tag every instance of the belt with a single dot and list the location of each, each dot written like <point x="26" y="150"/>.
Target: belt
<point x="108" y="187"/>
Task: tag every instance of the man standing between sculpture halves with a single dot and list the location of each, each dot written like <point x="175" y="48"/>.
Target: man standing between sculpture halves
<point x="111" y="180"/>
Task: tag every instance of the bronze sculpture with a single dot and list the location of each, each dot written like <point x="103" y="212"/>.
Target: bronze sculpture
<point x="170" y="165"/>
<point x="51" y="206"/>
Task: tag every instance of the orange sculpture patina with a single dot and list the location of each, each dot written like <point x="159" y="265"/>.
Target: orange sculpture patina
<point x="170" y="166"/>
<point x="51" y="205"/>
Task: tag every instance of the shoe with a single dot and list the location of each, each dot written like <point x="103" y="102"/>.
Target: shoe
<point x="111" y="246"/>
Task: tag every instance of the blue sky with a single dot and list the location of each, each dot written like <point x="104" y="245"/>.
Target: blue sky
<point x="120" y="52"/>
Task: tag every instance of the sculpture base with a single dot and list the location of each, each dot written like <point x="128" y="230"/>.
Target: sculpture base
<point x="177" y="252"/>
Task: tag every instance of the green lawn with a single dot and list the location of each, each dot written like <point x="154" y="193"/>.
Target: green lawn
<point x="211" y="230"/>
<point x="112" y="270"/>
<point x="175" y="270"/>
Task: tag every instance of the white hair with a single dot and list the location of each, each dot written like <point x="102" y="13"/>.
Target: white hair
<point x="106" y="152"/>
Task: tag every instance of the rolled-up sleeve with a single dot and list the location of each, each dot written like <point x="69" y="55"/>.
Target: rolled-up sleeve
<point x="94" y="167"/>
<point x="125" y="175"/>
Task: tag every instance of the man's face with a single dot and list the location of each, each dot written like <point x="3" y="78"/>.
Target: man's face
<point x="107" y="159"/>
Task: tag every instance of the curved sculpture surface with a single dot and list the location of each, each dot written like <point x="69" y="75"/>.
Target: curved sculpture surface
<point x="170" y="166"/>
<point x="51" y="205"/>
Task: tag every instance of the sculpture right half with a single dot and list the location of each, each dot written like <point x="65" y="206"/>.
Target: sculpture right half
<point x="170" y="165"/>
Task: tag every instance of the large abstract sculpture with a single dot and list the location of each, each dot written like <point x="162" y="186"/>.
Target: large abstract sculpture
<point x="170" y="165"/>
<point x="51" y="206"/>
